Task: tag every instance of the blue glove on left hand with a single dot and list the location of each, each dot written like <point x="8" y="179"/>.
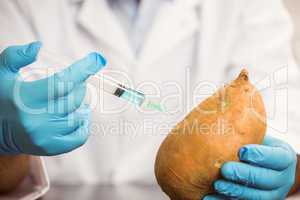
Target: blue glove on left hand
<point x="267" y="172"/>
<point x="43" y="117"/>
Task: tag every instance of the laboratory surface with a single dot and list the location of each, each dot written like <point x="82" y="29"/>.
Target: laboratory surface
<point x="125" y="192"/>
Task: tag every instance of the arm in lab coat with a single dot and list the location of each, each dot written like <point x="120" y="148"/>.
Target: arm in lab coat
<point x="264" y="45"/>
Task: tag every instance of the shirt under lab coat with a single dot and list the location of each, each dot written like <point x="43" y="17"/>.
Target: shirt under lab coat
<point x="190" y="43"/>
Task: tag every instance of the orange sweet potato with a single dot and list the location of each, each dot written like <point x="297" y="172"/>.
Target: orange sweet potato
<point x="190" y="158"/>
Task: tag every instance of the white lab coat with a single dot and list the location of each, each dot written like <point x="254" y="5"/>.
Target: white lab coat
<point x="230" y="34"/>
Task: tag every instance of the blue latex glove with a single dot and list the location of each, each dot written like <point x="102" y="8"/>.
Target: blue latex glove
<point x="267" y="172"/>
<point x="43" y="117"/>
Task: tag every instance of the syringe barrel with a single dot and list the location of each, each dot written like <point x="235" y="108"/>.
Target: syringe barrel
<point x="113" y="87"/>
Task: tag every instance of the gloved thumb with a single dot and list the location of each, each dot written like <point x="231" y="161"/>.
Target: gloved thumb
<point x="16" y="57"/>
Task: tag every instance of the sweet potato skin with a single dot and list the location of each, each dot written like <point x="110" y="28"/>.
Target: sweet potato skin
<point x="13" y="169"/>
<point x="190" y="158"/>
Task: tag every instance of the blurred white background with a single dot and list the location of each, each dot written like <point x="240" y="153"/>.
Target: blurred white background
<point x="294" y="8"/>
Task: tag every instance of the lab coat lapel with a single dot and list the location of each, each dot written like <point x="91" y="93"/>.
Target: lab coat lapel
<point x="96" y="17"/>
<point x="174" y="21"/>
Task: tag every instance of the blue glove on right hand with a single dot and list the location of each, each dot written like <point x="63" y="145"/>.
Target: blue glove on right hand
<point x="266" y="172"/>
<point x="43" y="117"/>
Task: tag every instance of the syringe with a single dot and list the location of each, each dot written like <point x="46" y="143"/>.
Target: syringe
<point x="109" y="85"/>
<point x="133" y="96"/>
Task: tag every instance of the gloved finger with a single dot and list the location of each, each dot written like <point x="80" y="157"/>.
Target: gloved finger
<point x="214" y="197"/>
<point x="16" y="57"/>
<point x="65" y="132"/>
<point x="69" y="142"/>
<point x="277" y="158"/>
<point x="67" y="124"/>
<point x="233" y="190"/>
<point x="69" y="103"/>
<point x="255" y="176"/>
<point x="62" y="83"/>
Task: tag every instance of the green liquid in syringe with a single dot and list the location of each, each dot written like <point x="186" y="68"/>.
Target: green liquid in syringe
<point x="138" y="99"/>
<point x="154" y="106"/>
